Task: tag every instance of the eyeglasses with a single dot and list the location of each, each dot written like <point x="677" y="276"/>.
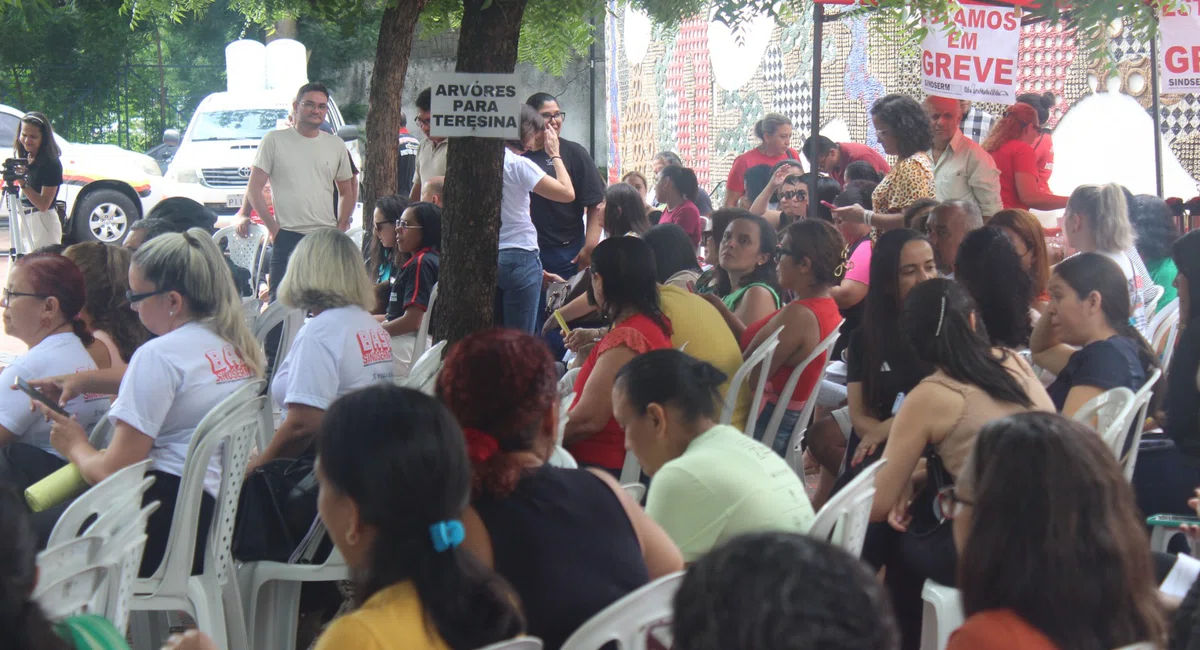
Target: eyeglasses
<point x="422" y="122"/>
<point x="561" y="115"/>
<point x="408" y="226"/>
<point x="794" y="194"/>
<point x="380" y="225"/>
<point x="9" y="295"/>
<point x="948" y="504"/>
<point x="314" y="106"/>
<point x="135" y="298"/>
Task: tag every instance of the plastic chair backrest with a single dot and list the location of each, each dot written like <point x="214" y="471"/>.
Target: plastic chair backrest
<point x="1169" y="347"/>
<point x="65" y="560"/>
<point x="123" y="557"/>
<point x="426" y="367"/>
<point x="422" y="342"/>
<point x="560" y="457"/>
<point x="636" y="491"/>
<point x="123" y="485"/>
<point x="631" y="471"/>
<point x="1141" y="404"/>
<point x="1113" y="411"/>
<point x="843" y="520"/>
<point x="519" y="643"/>
<point x="626" y="621"/>
<point x="72" y="594"/>
<point x="275" y="315"/>
<point x="1156" y="322"/>
<point x="789" y="388"/>
<point x="229" y="429"/>
<point x="246" y="252"/>
<point x="1156" y="294"/>
<point x="761" y="359"/>
<point x="101" y="432"/>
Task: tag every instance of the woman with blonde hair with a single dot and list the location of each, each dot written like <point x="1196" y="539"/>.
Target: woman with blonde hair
<point x="1011" y="145"/>
<point x="340" y="349"/>
<point x="1027" y="236"/>
<point x="1097" y="221"/>
<point x="184" y="293"/>
<point x="106" y="312"/>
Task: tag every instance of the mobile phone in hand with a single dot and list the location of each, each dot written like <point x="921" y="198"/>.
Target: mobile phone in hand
<point x="38" y="395"/>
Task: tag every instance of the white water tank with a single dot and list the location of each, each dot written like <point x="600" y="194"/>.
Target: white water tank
<point x="245" y="66"/>
<point x="287" y="65"/>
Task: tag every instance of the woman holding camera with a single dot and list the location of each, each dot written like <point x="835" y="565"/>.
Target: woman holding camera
<point x="43" y="175"/>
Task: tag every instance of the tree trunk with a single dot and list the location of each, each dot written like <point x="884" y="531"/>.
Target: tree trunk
<point x="284" y="28"/>
<point x="162" y="82"/>
<point x="383" y="115"/>
<point x="487" y="42"/>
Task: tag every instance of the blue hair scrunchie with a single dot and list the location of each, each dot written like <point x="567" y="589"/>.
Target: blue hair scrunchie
<point x="447" y="534"/>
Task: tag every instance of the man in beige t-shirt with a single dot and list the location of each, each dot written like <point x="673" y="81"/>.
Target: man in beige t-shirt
<point x="432" y="152"/>
<point x="303" y="164"/>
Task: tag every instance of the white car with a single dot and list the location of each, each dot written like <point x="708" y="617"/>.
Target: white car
<point x="106" y="188"/>
<point x="212" y="164"/>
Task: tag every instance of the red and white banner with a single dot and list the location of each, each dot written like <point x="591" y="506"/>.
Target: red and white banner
<point x="978" y="59"/>
<point x="1180" y="29"/>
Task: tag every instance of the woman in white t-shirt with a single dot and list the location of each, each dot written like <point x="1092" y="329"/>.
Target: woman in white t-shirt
<point x="41" y="308"/>
<point x="106" y="312"/>
<point x="520" y="274"/>
<point x="184" y="293"/>
<point x="1097" y="221"/>
<point x="340" y="349"/>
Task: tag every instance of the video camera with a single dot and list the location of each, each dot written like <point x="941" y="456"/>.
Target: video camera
<point x="14" y="169"/>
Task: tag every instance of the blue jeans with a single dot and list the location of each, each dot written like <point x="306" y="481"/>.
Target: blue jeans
<point x="780" y="444"/>
<point x="519" y="284"/>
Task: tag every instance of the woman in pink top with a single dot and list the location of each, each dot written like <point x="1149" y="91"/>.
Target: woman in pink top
<point x="677" y="187"/>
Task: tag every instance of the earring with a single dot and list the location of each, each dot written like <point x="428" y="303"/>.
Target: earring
<point x="172" y="313"/>
<point x="352" y="538"/>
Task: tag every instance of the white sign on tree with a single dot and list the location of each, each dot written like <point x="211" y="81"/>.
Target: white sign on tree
<point x="479" y="105"/>
<point x="1180" y="29"/>
<point x="976" y="60"/>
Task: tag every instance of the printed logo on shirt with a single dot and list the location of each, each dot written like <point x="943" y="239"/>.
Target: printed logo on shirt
<point x="375" y="346"/>
<point x="227" y="364"/>
<point x="90" y="397"/>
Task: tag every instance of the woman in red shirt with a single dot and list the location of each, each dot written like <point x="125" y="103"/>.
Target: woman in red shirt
<point x="810" y="262"/>
<point x="625" y="292"/>
<point x="775" y="131"/>
<point x="677" y="187"/>
<point x="1011" y="145"/>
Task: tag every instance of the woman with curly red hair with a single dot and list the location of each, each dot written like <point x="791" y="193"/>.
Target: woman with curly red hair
<point x="570" y="541"/>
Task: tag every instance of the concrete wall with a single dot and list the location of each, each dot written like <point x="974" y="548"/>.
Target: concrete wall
<point x="437" y="54"/>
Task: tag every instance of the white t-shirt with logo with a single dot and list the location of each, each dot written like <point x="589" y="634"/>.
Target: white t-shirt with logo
<point x="336" y="352"/>
<point x="521" y="175"/>
<point x="57" y="354"/>
<point x="172" y="382"/>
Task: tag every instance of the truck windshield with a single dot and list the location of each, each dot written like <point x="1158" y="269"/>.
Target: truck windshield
<point x="250" y="124"/>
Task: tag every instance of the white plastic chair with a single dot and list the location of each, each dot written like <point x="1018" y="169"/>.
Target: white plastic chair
<point x="1156" y="293"/>
<point x="1141" y="404"/>
<point x="278" y="314"/>
<point x="631" y="471"/>
<point x="761" y="359"/>
<point x="246" y="252"/>
<point x="128" y="484"/>
<point x="785" y="397"/>
<point x="123" y="557"/>
<point x="101" y="432"/>
<point x="72" y="594"/>
<point x="271" y="591"/>
<point x="356" y="235"/>
<point x="425" y="370"/>
<point x="59" y="563"/>
<point x="636" y="491"/>
<point x="1113" y="412"/>
<point x="422" y="342"/>
<point x="211" y="598"/>
<point x="1162" y="331"/>
<point x="560" y="457"/>
<point x="627" y="620"/>
<point x="943" y="614"/>
<point x="519" y="643"/>
<point x="843" y="520"/>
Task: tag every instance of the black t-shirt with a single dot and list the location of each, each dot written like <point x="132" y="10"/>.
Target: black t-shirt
<point x="1107" y="364"/>
<point x="1183" y="398"/>
<point x="561" y="224"/>
<point x="414" y="283"/>
<point x="898" y="374"/>
<point x="44" y="172"/>
<point x="406" y="162"/>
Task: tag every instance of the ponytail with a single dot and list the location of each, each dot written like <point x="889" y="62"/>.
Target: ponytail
<point x="1106" y="212"/>
<point x="672" y="378"/>
<point x="191" y="264"/>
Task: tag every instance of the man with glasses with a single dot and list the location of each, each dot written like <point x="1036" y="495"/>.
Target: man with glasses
<point x="565" y="245"/>
<point x="303" y="164"/>
<point x="431" y="153"/>
<point x="962" y="170"/>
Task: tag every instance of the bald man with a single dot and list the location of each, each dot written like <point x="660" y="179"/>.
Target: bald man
<point x="432" y="192"/>
<point x="962" y="170"/>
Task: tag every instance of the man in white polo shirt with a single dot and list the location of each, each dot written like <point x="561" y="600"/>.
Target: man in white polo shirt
<point x="303" y="164"/>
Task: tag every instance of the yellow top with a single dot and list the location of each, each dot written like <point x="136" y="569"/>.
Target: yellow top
<point x="708" y="338"/>
<point x="392" y="618"/>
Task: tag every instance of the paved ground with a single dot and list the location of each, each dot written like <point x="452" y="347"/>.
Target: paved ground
<point x="9" y="346"/>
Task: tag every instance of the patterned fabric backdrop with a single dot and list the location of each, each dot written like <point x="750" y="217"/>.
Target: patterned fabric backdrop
<point x="671" y="97"/>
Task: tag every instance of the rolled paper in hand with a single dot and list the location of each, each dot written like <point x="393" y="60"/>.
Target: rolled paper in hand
<point x="57" y="488"/>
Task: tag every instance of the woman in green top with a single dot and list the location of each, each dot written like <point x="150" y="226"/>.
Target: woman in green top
<point x="746" y="289"/>
<point x="1156" y="232"/>
<point x="23" y="625"/>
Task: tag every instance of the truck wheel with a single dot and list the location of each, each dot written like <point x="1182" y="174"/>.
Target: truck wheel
<point x="104" y="216"/>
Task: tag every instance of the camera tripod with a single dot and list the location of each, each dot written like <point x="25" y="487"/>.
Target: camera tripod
<point x="12" y="200"/>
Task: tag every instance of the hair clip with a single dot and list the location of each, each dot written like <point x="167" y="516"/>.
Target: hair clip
<point x="447" y="534"/>
<point x="941" y="317"/>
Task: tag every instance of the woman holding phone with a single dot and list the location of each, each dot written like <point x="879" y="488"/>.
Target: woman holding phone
<point x="43" y="175"/>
